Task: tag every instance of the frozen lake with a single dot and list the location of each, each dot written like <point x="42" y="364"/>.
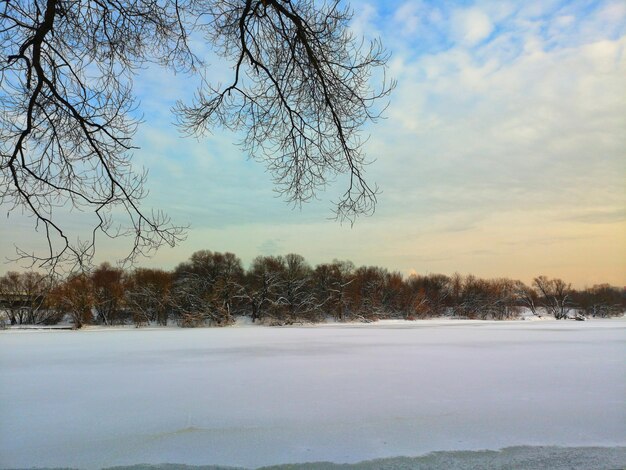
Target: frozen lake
<point x="253" y="396"/>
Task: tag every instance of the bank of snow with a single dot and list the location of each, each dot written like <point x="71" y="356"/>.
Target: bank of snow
<point x="341" y="393"/>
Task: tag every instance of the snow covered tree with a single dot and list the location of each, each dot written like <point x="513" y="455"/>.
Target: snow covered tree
<point x="366" y="293"/>
<point x="148" y="295"/>
<point x="262" y="287"/>
<point x="206" y="288"/>
<point x="296" y="296"/>
<point x="330" y="282"/>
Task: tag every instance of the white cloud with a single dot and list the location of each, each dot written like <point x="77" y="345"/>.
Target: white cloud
<point x="518" y="133"/>
<point x="406" y="16"/>
<point x="613" y="12"/>
<point x="470" y="26"/>
<point x="364" y="22"/>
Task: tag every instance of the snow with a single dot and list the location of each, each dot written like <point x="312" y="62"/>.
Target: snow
<point x="251" y="396"/>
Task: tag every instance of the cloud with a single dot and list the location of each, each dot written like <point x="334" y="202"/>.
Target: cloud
<point x="470" y="26"/>
<point x="599" y="216"/>
<point x="365" y="20"/>
<point x="506" y="127"/>
<point x="407" y="17"/>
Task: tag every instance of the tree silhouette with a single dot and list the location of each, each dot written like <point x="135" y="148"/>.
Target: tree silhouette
<point x="299" y="95"/>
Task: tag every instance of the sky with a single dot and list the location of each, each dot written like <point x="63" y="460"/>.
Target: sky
<point x="503" y="152"/>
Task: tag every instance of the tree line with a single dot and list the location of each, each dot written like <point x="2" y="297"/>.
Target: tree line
<point x="213" y="288"/>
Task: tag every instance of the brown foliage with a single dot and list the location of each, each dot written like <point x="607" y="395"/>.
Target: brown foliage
<point x="75" y="297"/>
<point x="108" y="287"/>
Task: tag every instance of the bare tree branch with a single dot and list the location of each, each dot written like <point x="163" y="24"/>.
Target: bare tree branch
<point x="300" y="93"/>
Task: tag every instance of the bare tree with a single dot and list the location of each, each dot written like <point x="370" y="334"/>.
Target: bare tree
<point x="396" y="299"/>
<point x="601" y="300"/>
<point x="471" y="301"/>
<point x="108" y="287"/>
<point x="296" y="295"/>
<point x="207" y="287"/>
<point x="191" y="301"/>
<point x="74" y="296"/>
<point x="504" y="300"/>
<point x="330" y="283"/>
<point x="527" y="296"/>
<point x="429" y="294"/>
<point x="24" y="298"/>
<point x="300" y="94"/>
<point x="366" y="293"/>
<point x="228" y="285"/>
<point x="12" y="298"/>
<point x="148" y="295"/>
<point x="67" y="117"/>
<point x="264" y="282"/>
<point x="555" y="296"/>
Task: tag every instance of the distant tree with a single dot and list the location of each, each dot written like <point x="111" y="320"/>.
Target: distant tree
<point x="601" y="300"/>
<point x="366" y="293"/>
<point x="527" y="296"/>
<point x="108" y="286"/>
<point x="212" y="288"/>
<point x="11" y="295"/>
<point x="470" y="296"/>
<point x="262" y="287"/>
<point x="555" y="295"/>
<point x="474" y="299"/>
<point x="456" y="294"/>
<point x="75" y="297"/>
<point x="430" y="295"/>
<point x="299" y="95"/>
<point x="148" y="295"/>
<point x="296" y="296"/>
<point x="191" y="300"/>
<point x="331" y="283"/>
<point x="228" y="285"/>
<point x="396" y="298"/>
<point x="207" y="288"/>
<point x="504" y="299"/>
<point x="23" y="297"/>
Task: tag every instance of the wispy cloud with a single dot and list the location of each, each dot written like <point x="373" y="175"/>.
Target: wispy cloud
<point x="599" y="216"/>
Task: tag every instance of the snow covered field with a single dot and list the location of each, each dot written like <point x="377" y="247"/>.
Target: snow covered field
<point x="253" y="396"/>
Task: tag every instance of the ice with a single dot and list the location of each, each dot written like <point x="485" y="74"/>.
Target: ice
<point x="258" y="396"/>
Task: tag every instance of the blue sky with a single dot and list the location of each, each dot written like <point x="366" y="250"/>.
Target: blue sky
<point x="503" y="151"/>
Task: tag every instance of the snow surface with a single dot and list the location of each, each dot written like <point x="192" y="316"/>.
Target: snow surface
<point x="257" y="396"/>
